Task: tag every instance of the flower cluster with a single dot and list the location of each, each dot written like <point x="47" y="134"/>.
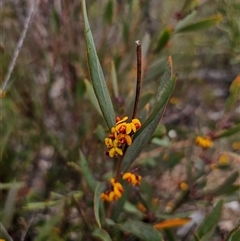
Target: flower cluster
<point x="203" y="142"/>
<point x="120" y="135"/>
<point x="132" y="178"/>
<point x="115" y="189"/>
<point x="114" y="192"/>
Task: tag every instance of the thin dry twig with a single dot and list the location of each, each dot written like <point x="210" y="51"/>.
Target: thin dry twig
<point x="27" y="228"/>
<point x="4" y="232"/>
<point x="19" y="45"/>
<point x="139" y="77"/>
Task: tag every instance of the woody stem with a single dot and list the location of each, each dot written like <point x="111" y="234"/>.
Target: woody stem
<point x="139" y="77"/>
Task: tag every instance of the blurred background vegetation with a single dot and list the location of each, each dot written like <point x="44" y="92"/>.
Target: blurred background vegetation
<point x="49" y="111"/>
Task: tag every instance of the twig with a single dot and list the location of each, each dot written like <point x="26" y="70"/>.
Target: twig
<point x="28" y="226"/>
<point x="19" y="46"/>
<point x="80" y="211"/>
<point x="139" y="77"/>
<point x="4" y="232"/>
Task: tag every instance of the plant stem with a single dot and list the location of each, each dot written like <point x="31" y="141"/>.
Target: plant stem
<point x="139" y="77"/>
<point x="118" y="169"/>
<point x="138" y="87"/>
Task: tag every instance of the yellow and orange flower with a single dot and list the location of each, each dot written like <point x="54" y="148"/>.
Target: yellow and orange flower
<point x="113" y="146"/>
<point x="204" y="142"/>
<point x="132" y="178"/>
<point x="120" y="135"/>
<point x="114" y="193"/>
<point x="124" y="138"/>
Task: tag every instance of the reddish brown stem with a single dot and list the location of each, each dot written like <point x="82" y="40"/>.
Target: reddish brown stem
<point x="139" y="77"/>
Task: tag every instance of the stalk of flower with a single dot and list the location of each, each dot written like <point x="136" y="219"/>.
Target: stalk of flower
<point x="120" y="138"/>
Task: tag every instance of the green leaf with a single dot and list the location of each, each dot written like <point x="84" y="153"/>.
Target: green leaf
<point x="160" y="131"/>
<point x="144" y="231"/>
<point x="201" y="25"/>
<point x="9" y="185"/>
<point x="169" y="234"/>
<point x="234" y="235"/>
<point x="186" y="21"/>
<point x="226" y="185"/>
<point x="163" y="39"/>
<point x="100" y="133"/>
<point x="114" y="80"/>
<point x="101" y="234"/>
<point x="98" y="202"/>
<point x="47" y="228"/>
<point x="231" y="131"/>
<point x="211" y="221"/>
<point x="145" y="133"/>
<point x="188" y="7"/>
<point x="92" y="96"/>
<point x="40" y="205"/>
<point x="108" y="12"/>
<point x="87" y="172"/>
<point x="196" y="238"/>
<point x="234" y="93"/>
<point x="132" y="209"/>
<point x="155" y="70"/>
<point x="147" y="192"/>
<point x="96" y="73"/>
<point x="9" y="207"/>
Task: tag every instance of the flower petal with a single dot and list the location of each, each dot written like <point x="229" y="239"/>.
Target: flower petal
<point x="128" y="139"/>
<point x="119" y="151"/>
<point x="108" y="142"/>
<point x="112" y="152"/>
<point x="128" y="128"/>
<point x="122" y="120"/>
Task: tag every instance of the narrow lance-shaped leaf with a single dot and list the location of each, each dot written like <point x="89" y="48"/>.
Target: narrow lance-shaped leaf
<point x="234" y="235"/>
<point x="46" y="229"/>
<point x="186" y="21"/>
<point x="92" y="96"/>
<point x="231" y="131"/>
<point x="201" y="25"/>
<point x="226" y="185"/>
<point x="145" y="133"/>
<point x="142" y="230"/>
<point x="234" y="93"/>
<point x="101" y="234"/>
<point x="188" y="7"/>
<point x="211" y="221"/>
<point x="10" y="206"/>
<point x="87" y="172"/>
<point x="96" y="73"/>
<point x="98" y="202"/>
<point x="114" y="80"/>
<point x="163" y="39"/>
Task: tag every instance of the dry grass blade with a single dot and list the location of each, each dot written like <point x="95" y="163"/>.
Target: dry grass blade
<point x="19" y="46"/>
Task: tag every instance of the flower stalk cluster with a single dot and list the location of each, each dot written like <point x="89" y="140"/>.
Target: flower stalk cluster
<point x="120" y="137"/>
